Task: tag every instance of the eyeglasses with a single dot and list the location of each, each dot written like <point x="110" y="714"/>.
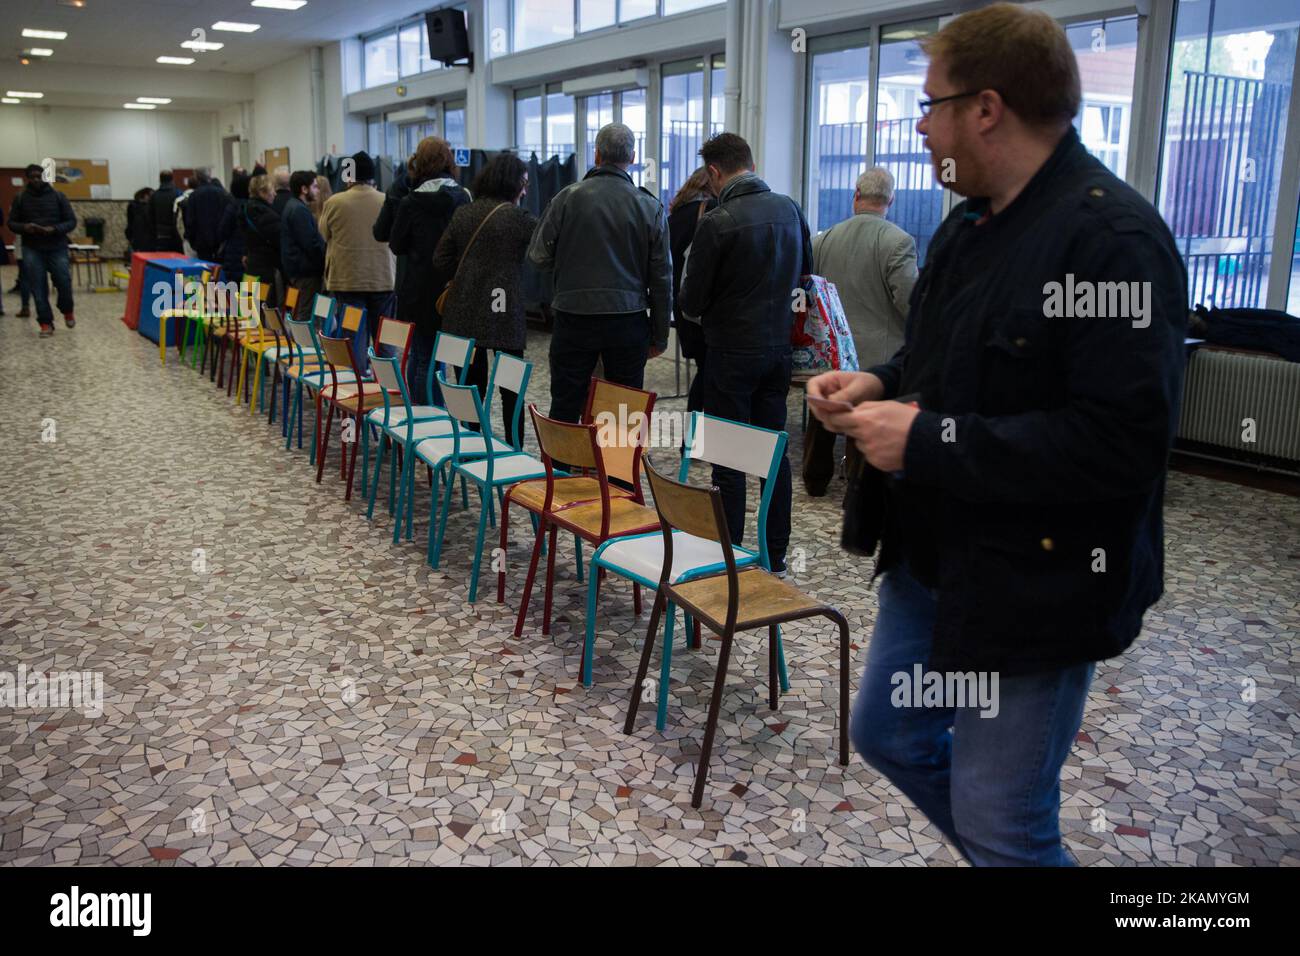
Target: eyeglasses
<point x="926" y="105"/>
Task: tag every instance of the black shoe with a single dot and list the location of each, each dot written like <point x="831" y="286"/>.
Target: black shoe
<point x="817" y="489"/>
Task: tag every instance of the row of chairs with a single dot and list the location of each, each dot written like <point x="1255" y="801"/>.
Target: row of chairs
<point x="585" y="481"/>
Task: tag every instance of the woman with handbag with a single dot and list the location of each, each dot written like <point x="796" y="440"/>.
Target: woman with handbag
<point x="483" y="250"/>
<point x="693" y="201"/>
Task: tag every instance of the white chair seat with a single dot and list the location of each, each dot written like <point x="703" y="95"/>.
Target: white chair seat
<point x="314" y="380"/>
<point x="505" y="470"/>
<point x="421" y="413"/>
<point x="643" y="556"/>
<point x="421" y="432"/>
<point x="435" y="451"/>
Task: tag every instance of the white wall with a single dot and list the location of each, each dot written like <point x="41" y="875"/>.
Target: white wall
<point x="283" y="114"/>
<point x="136" y="143"/>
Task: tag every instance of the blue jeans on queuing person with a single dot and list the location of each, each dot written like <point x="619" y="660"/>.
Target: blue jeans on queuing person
<point x="417" y="373"/>
<point x="378" y="305"/>
<point x="750" y="386"/>
<point x="620" y="342"/>
<point x="991" y="784"/>
<point x="36" y="264"/>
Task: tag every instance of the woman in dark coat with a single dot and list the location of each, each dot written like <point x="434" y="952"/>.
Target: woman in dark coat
<point x="491" y="272"/>
<point x="139" y="221"/>
<point x="229" y="234"/>
<point x="688" y="207"/>
<point x="422" y="217"/>
<point x="260" y="225"/>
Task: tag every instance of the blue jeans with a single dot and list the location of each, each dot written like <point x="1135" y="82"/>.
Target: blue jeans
<point x="38" y="262"/>
<point x="991" y="784"/>
<point x="377" y="306"/>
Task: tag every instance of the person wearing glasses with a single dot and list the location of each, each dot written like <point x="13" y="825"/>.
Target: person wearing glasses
<point x="1019" y="446"/>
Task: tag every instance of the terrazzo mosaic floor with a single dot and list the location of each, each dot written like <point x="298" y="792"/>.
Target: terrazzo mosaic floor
<point x="319" y="696"/>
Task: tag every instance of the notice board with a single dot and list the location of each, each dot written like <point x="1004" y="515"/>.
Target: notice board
<point x="275" y="158"/>
<point x="82" y="178"/>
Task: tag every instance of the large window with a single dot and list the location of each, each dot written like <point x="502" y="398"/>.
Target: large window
<point x="840" y="86"/>
<point x="561" y="128"/>
<point x="539" y="22"/>
<point x="454" y="130"/>
<point x="693" y="107"/>
<point x="397" y="53"/>
<point x="1229" y="89"/>
<point x="1293" y="302"/>
<point x="544" y="123"/>
<point x="627" y="107"/>
<point x="718" y="95"/>
<point x="1107" y="55"/>
<point x="380" y="56"/>
<point x="528" y="123"/>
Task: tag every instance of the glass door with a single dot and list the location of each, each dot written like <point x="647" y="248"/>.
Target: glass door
<point x="838" y="145"/>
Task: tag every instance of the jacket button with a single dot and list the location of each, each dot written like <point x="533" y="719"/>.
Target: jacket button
<point x="1048" y="544"/>
<point x="1096" y="192"/>
<point x="1021" y="343"/>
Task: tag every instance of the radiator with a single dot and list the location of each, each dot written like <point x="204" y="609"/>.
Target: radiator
<point x="1224" y="389"/>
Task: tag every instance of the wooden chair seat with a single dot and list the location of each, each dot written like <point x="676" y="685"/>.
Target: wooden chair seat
<point x="625" y="517"/>
<point x="761" y="597"/>
<point x="568" y="492"/>
<point x="349" y="401"/>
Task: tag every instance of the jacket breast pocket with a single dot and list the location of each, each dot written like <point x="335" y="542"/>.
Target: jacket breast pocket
<point x="1022" y="368"/>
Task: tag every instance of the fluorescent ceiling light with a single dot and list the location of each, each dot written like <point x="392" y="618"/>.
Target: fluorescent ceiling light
<point x="26" y="96"/>
<point x="202" y="45"/>
<point x="281" y="4"/>
<point x="232" y="27"/>
<point x="40" y="51"/>
<point x="161" y="100"/>
<point x="178" y="60"/>
<point x="9" y="99"/>
<point x="139" y="106"/>
<point x="46" y="34"/>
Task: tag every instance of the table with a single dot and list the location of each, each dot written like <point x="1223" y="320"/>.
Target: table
<point x="158" y="285"/>
<point x="81" y="255"/>
<point x="135" y="288"/>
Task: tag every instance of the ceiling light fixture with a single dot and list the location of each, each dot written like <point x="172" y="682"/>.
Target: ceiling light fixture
<point x="202" y="46"/>
<point x="9" y="99"/>
<point x="281" y="4"/>
<point x="176" y="60"/>
<point x="160" y="100"/>
<point x="39" y="51"/>
<point x="232" y="27"/>
<point x="139" y="106"/>
<point x="46" y="34"/>
<point x="24" y="95"/>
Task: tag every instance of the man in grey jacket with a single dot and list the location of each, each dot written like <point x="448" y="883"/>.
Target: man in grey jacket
<point x="607" y="243"/>
<point x="873" y="265"/>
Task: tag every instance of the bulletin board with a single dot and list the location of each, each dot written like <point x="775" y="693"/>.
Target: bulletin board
<point x="275" y="158"/>
<point x="82" y="178"/>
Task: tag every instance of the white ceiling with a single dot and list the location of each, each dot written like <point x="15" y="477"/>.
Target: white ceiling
<point x="134" y="33"/>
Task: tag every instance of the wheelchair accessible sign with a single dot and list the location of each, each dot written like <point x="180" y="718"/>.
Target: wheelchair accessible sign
<point x="462" y="156"/>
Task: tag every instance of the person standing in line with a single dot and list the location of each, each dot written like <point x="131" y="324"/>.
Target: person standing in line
<point x="383" y="231"/>
<point x="229" y="236"/>
<point x="358" y="269"/>
<point x="873" y="266"/>
<point x="484" y="250"/>
<point x="261" y="230"/>
<point x="162" y="205"/>
<point x="302" y="248"/>
<point x="422" y="218"/>
<point x="1021" y="492"/>
<point x="139" y="222"/>
<point x="283" y="193"/>
<point x="748" y="259"/>
<point x="202" y="214"/>
<point x="687" y="208"/>
<point x="43" y="217"/>
<point x="606" y="241"/>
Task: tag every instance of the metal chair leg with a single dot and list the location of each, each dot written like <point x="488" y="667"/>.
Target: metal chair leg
<point x="637" y="684"/>
<point x="711" y="727"/>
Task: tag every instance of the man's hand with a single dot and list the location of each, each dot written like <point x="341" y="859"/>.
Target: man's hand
<point x="656" y="351"/>
<point x="880" y="430"/>
<point x="851" y="387"/>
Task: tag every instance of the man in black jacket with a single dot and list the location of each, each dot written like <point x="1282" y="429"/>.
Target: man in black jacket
<point x="606" y="241"/>
<point x="43" y="217"/>
<point x="202" y="212"/>
<point x="302" y="248"/>
<point x="1023" y="431"/>
<point x="162" y="206"/>
<point x="746" y="265"/>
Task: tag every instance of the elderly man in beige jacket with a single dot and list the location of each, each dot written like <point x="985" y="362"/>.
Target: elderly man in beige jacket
<point x="873" y="265"/>
<point x="358" y="270"/>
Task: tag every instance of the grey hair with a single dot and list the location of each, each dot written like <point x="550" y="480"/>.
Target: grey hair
<point x="877" y="185"/>
<point x="203" y="174"/>
<point x="616" y="144"/>
<point x="281" y="177"/>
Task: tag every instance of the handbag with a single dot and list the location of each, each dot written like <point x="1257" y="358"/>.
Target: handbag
<point x="441" y="304"/>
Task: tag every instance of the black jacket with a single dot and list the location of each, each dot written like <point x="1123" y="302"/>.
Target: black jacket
<point x="231" y="239"/>
<point x="302" y="248"/>
<point x="162" y="206"/>
<point x="606" y="241"/>
<point x="747" y="259"/>
<point x="422" y="217"/>
<point x="139" y="226"/>
<point x="43" y="206"/>
<point x="282" y="197"/>
<point x="261" y="229"/>
<point x="202" y="213"/>
<point x="383" y="229"/>
<point x="1041" y="477"/>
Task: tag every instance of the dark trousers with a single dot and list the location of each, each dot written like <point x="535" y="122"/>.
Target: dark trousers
<point x="417" y="370"/>
<point x="377" y="306"/>
<point x="819" y="455"/>
<point x="37" y="263"/>
<point x="479" y="373"/>
<point x="750" y="386"/>
<point x="308" y="287"/>
<point x="622" y="342"/>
